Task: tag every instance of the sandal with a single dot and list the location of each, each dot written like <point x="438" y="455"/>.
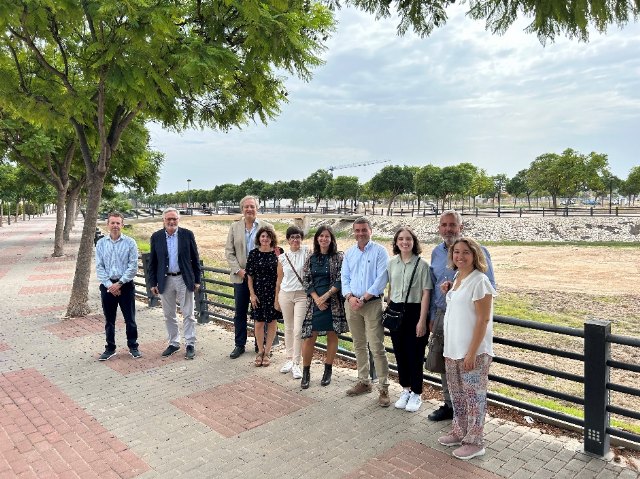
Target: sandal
<point x="265" y="360"/>
<point x="259" y="360"/>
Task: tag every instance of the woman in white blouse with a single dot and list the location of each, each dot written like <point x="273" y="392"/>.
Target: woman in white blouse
<point x="291" y="298"/>
<point x="468" y="346"/>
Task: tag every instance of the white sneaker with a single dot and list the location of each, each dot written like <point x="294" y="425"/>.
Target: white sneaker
<point x="296" y="371"/>
<point x="414" y="403"/>
<point x="404" y="398"/>
<point x="287" y="367"/>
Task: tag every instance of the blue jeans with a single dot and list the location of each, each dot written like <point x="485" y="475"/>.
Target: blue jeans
<point x="127" y="303"/>
<point x="241" y="297"/>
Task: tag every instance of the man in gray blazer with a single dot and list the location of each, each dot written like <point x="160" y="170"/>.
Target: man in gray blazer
<point x="241" y="240"/>
<point x="174" y="272"/>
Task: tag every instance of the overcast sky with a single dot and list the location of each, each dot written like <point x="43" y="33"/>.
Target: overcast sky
<point x="461" y="95"/>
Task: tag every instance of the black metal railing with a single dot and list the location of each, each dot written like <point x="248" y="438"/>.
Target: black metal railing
<point x="212" y="301"/>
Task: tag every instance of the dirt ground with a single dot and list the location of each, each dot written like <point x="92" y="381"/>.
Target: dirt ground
<point x="579" y="282"/>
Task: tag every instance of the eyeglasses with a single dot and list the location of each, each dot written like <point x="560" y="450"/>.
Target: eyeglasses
<point x="171" y="219"/>
<point x="295" y="237"/>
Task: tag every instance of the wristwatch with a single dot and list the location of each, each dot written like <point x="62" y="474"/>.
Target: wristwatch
<point x="120" y="282"/>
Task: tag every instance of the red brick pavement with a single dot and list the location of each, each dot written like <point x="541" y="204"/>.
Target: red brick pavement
<point x="58" y="259"/>
<point x="43" y="433"/>
<point x="124" y="364"/>
<point x="78" y="327"/>
<point x="42" y="310"/>
<point x="45" y="288"/>
<point x="54" y="267"/>
<point x="40" y="277"/>
<point x="415" y="460"/>
<point x="233" y="408"/>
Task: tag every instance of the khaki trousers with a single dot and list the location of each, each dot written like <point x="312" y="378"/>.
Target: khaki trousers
<point x="365" y="325"/>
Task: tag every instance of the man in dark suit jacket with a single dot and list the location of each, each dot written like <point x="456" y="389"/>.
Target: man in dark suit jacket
<point x="174" y="272"/>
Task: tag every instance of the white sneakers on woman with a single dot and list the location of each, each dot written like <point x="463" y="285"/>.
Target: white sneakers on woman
<point x="409" y="401"/>
<point x="296" y="372"/>
<point x="287" y="367"/>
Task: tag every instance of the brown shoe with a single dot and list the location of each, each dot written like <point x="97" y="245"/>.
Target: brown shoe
<point x="359" y="388"/>
<point x="383" y="399"/>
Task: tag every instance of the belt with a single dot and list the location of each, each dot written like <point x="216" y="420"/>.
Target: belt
<point x="174" y="274"/>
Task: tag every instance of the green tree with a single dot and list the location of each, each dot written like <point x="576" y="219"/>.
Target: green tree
<point x="392" y="181"/>
<point x="316" y="185"/>
<point x="427" y="181"/>
<point x="344" y="188"/>
<point x="519" y="185"/>
<point x="567" y="174"/>
<point x="549" y="18"/>
<point x="631" y="186"/>
<point x="98" y="65"/>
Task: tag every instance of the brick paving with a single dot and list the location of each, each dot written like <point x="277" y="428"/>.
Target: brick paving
<point x="65" y="414"/>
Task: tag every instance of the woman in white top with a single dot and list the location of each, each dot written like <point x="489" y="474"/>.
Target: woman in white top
<point x="291" y="298"/>
<point x="468" y="346"/>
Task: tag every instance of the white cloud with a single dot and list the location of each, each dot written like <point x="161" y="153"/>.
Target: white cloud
<point x="460" y="95"/>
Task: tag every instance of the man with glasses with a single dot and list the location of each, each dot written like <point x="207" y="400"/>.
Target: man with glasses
<point x="174" y="272"/>
<point x="241" y="240"/>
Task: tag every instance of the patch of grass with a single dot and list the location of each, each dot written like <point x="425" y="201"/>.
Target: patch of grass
<point x="555" y="405"/>
<point x="143" y="246"/>
<point x="518" y="307"/>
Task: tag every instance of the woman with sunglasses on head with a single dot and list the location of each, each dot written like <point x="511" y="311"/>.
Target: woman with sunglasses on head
<point x="291" y="298"/>
<point x="325" y="305"/>
<point x="262" y="273"/>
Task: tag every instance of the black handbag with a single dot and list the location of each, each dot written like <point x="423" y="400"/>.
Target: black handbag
<point x="392" y="318"/>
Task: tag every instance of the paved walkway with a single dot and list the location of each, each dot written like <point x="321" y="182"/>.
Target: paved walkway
<point x="64" y="414"/>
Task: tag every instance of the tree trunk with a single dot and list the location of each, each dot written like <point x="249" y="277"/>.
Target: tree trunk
<point x="79" y="300"/>
<point x="58" y="242"/>
<point x="71" y="210"/>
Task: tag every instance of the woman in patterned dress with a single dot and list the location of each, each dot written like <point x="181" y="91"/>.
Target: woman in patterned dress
<point x="325" y="310"/>
<point x="262" y="272"/>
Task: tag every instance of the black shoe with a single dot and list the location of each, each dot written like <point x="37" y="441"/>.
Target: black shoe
<point x="326" y="377"/>
<point x="135" y="354"/>
<point x="191" y="352"/>
<point x="106" y="355"/>
<point x="170" y="350"/>
<point x="237" y="351"/>
<point x="306" y="377"/>
<point x="441" y="414"/>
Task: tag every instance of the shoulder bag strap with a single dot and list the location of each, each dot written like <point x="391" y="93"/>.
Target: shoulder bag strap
<point x="411" y="280"/>
<point x="294" y="270"/>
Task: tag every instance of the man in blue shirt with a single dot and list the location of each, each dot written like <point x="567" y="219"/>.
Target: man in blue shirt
<point x="364" y="276"/>
<point x="450" y="229"/>
<point x="116" y="266"/>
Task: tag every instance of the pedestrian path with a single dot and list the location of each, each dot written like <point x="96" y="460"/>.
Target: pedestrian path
<point x="64" y="414"/>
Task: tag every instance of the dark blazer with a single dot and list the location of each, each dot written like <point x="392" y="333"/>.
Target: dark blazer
<point x="188" y="259"/>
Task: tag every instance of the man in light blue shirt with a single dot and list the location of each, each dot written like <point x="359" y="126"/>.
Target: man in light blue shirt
<point x="364" y="276"/>
<point x="450" y="229"/>
<point x="116" y="267"/>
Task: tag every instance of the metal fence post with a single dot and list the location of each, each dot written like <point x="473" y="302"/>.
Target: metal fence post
<point x="372" y="366"/>
<point x="153" y="299"/>
<point x="202" y="309"/>
<point x="597" y="351"/>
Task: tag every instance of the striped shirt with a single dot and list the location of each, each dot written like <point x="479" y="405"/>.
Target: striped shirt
<point x="116" y="259"/>
<point x="172" y="250"/>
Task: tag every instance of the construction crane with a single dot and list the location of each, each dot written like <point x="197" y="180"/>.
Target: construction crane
<point x="353" y="165"/>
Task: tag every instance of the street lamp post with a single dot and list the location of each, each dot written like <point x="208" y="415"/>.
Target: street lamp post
<point x="188" y="196"/>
